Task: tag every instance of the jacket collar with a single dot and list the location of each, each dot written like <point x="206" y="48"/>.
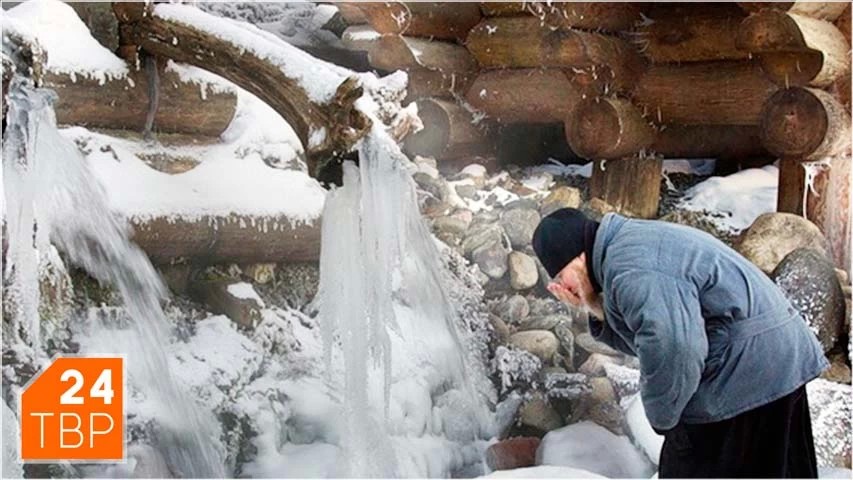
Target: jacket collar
<point x="610" y="224"/>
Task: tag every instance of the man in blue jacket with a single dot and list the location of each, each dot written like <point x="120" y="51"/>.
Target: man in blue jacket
<point x="724" y="357"/>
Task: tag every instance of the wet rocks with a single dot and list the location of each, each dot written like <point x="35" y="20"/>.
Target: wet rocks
<point x="537" y="414"/>
<point x="809" y="280"/>
<point x="492" y="259"/>
<point x="523" y="273"/>
<point x="772" y="236"/>
<point x="541" y="343"/>
<point x="513" y="310"/>
<point x="591" y="345"/>
<point x="519" y="225"/>
<point x="518" y="452"/>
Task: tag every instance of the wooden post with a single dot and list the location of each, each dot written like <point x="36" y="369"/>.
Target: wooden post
<point x="631" y="185"/>
<point x="792" y="186"/>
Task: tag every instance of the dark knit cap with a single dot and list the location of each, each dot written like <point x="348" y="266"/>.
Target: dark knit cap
<point x="561" y="237"/>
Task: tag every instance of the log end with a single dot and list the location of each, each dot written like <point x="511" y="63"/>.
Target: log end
<point x="793" y="123"/>
<point x="791" y="68"/>
<point x="593" y="129"/>
<point x="769" y="31"/>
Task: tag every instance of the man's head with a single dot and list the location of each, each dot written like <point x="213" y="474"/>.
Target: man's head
<point x="563" y="242"/>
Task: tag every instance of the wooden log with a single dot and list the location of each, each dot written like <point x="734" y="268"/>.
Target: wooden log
<point x="724" y="142"/>
<point x="843" y="23"/>
<point x="828" y="205"/>
<point x="449" y="131"/>
<point x="610" y="16"/>
<point x="122" y="103"/>
<point x="523" y="95"/>
<point x="795" y="49"/>
<point x="819" y="10"/>
<point x="425" y="83"/>
<point x="351" y="13"/>
<point x="608" y="128"/>
<point x="441" y="20"/>
<point x="792" y="186"/>
<point x="704" y="93"/>
<point x="327" y="128"/>
<point x="804" y="123"/>
<point x="515" y="42"/>
<point x="691" y="32"/>
<point x="631" y="185"/>
<point x="231" y="239"/>
<point x="398" y="52"/>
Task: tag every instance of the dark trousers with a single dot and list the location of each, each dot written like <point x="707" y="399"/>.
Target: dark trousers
<point x="771" y="441"/>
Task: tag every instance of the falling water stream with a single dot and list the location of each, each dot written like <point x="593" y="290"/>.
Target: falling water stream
<point x="50" y="190"/>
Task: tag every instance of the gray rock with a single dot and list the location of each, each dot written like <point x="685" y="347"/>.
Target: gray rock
<point x="466" y="191"/>
<point x="486" y="217"/>
<point x="542" y="323"/>
<point x="564" y="334"/>
<point x="809" y="280"/>
<point x="451" y="225"/>
<point x="591" y="345"/>
<point x="570" y="386"/>
<point x="560" y="197"/>
<point x="522" y="271"/>
<point x="500" y="328"/>
<point x="481" y="235"/>
<point x="434" y="186"/>
<point x="541" y="343"/>
<point x="526" y="203"/>
<point x="542" y="307"/>
<point x="537" y="413"/>
<point x="594" y="365"/>
<point x="519" y="225"/>
<point x="514" y="309"/>
<point x="772" y="236"/>
<point x="492" y="259"/>
<point x="548" y="371"/>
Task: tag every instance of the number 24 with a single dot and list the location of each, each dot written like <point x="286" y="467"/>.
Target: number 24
<point x="103" y="387"/>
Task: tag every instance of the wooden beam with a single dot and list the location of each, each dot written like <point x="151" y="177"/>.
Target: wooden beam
<point x="608" y="128"/>
<point x="804" y="123"/>
<point x="819" y="10"/>
<point x="450" y="131"/>
<point x="441" y="20"/>
<point x="693" y="32"/>
<point x="610" y="16"/>
<point x="631" y="185"/>
<point x="792" y="186"/>
<point x="524" y="95"/>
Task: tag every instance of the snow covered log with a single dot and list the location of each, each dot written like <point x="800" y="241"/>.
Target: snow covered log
<point x="231" y="239"/>
<point x="820" y="10"/>
<point x="795" y="49"/>
<point x="525" y="42"/>
<point x="704" y="93"/>
<point x="315" y="98"/>
<point x="611" y="17"/>
<point x="524" y="95"/>
<point x="122" y="103"/>
<point x="608" y="128"/>
<point x="631" y="185"/>
<point x="804" y="123"/>
<point x="735" y="142"/>
<point x="450" y="131"/>
<point x="441" y="20"/>
<point x="691" y="32"/>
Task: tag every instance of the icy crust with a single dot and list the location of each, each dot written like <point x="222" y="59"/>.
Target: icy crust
<point x="735" y="200"/>
<point x="66" y="39"/>
<point x="830" y="405"/>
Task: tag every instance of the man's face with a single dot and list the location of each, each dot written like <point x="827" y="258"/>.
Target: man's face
<point x="572" y="284"/>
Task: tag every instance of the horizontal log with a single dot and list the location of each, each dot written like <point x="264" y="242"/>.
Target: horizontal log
<point x="704" y="93"/>
<point x="691" y="33"/>
<point x="610" y="16"/>
<point x="351" y="14"/>
<point x="441" y="20"/>
<point x="820" y="10"/>
<point x="608" y="128"/>
<point x="231" y="239"/>
<point x="516" y="42"/>
<point x="804" y="123"/>
<point x="725" y="142"/>
<point x="398" y="52"/>
<point x="122" y="103"/>
<point x="524" y="95"/>
<point x="795" y="49"/>
<point x="449" y="131"/>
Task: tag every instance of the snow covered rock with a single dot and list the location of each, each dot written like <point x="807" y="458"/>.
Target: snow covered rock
<point x="515" y="368"/>
<point x="541" y="343"/>
<point x="519" y="224"/>
<point x="560" y="197"/>
<point x="514" y="310"/>
<point x="830" y="407"/>
<point x="588" y="446"/>
<point x="512" y="453"/>
<point x="774" y="235"/>
<point x="236" y="300"/>
<point x="809" y="281"/>
<point x="522" y="271"/>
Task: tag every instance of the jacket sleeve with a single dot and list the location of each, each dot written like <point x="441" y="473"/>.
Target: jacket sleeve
<point x="601" y="331"/>
<point x="665" y="316"/>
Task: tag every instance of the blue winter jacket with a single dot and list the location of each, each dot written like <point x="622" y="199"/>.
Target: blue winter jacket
<point x="714" y="335"/>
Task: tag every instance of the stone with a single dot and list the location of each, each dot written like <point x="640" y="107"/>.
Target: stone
<point x="602" y="390"/>
<point x="594" y="364"/>
<point x="600" y="405"/>
<point x="522" y="271"/>
<point x="466" y="191"/>
<point x="538" y="414"/>
<point x="519" y="225"/>
<point x="591" y="345"/>
<point x="542" y="323"/>
<point x="434" y="186"/>
<point x="838" y="370"/>
<point x="541" y="343"/>
<point x="597" y="208"/>
<point x="260" y="273"/>
<point x="481" y="235"/>
<point x="772" y="236"/>
<point x="518" y="452"/>
<point x="500" y="328"/>
<point x="177" y="277"/>
<point x="830" y="406"/>
<point x="567" y="386"/>
<point x="514" y="309"/>
<point x="492" y="259"/>
<point x="236" y="300"/>
<point x="560" y="197"/>
<point x="432" y="207"/>
<point x="551" y="371"/>
<point x="526" y="203"/>
<point x="475" y="172"/>
<point x="808" y="279"/>
<point x="544" y="306"/>
<point x="485" y="217"/>
<point x="564" y="334"/>
<point x="609" y="415"/>
<point x="451" y="225"/>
